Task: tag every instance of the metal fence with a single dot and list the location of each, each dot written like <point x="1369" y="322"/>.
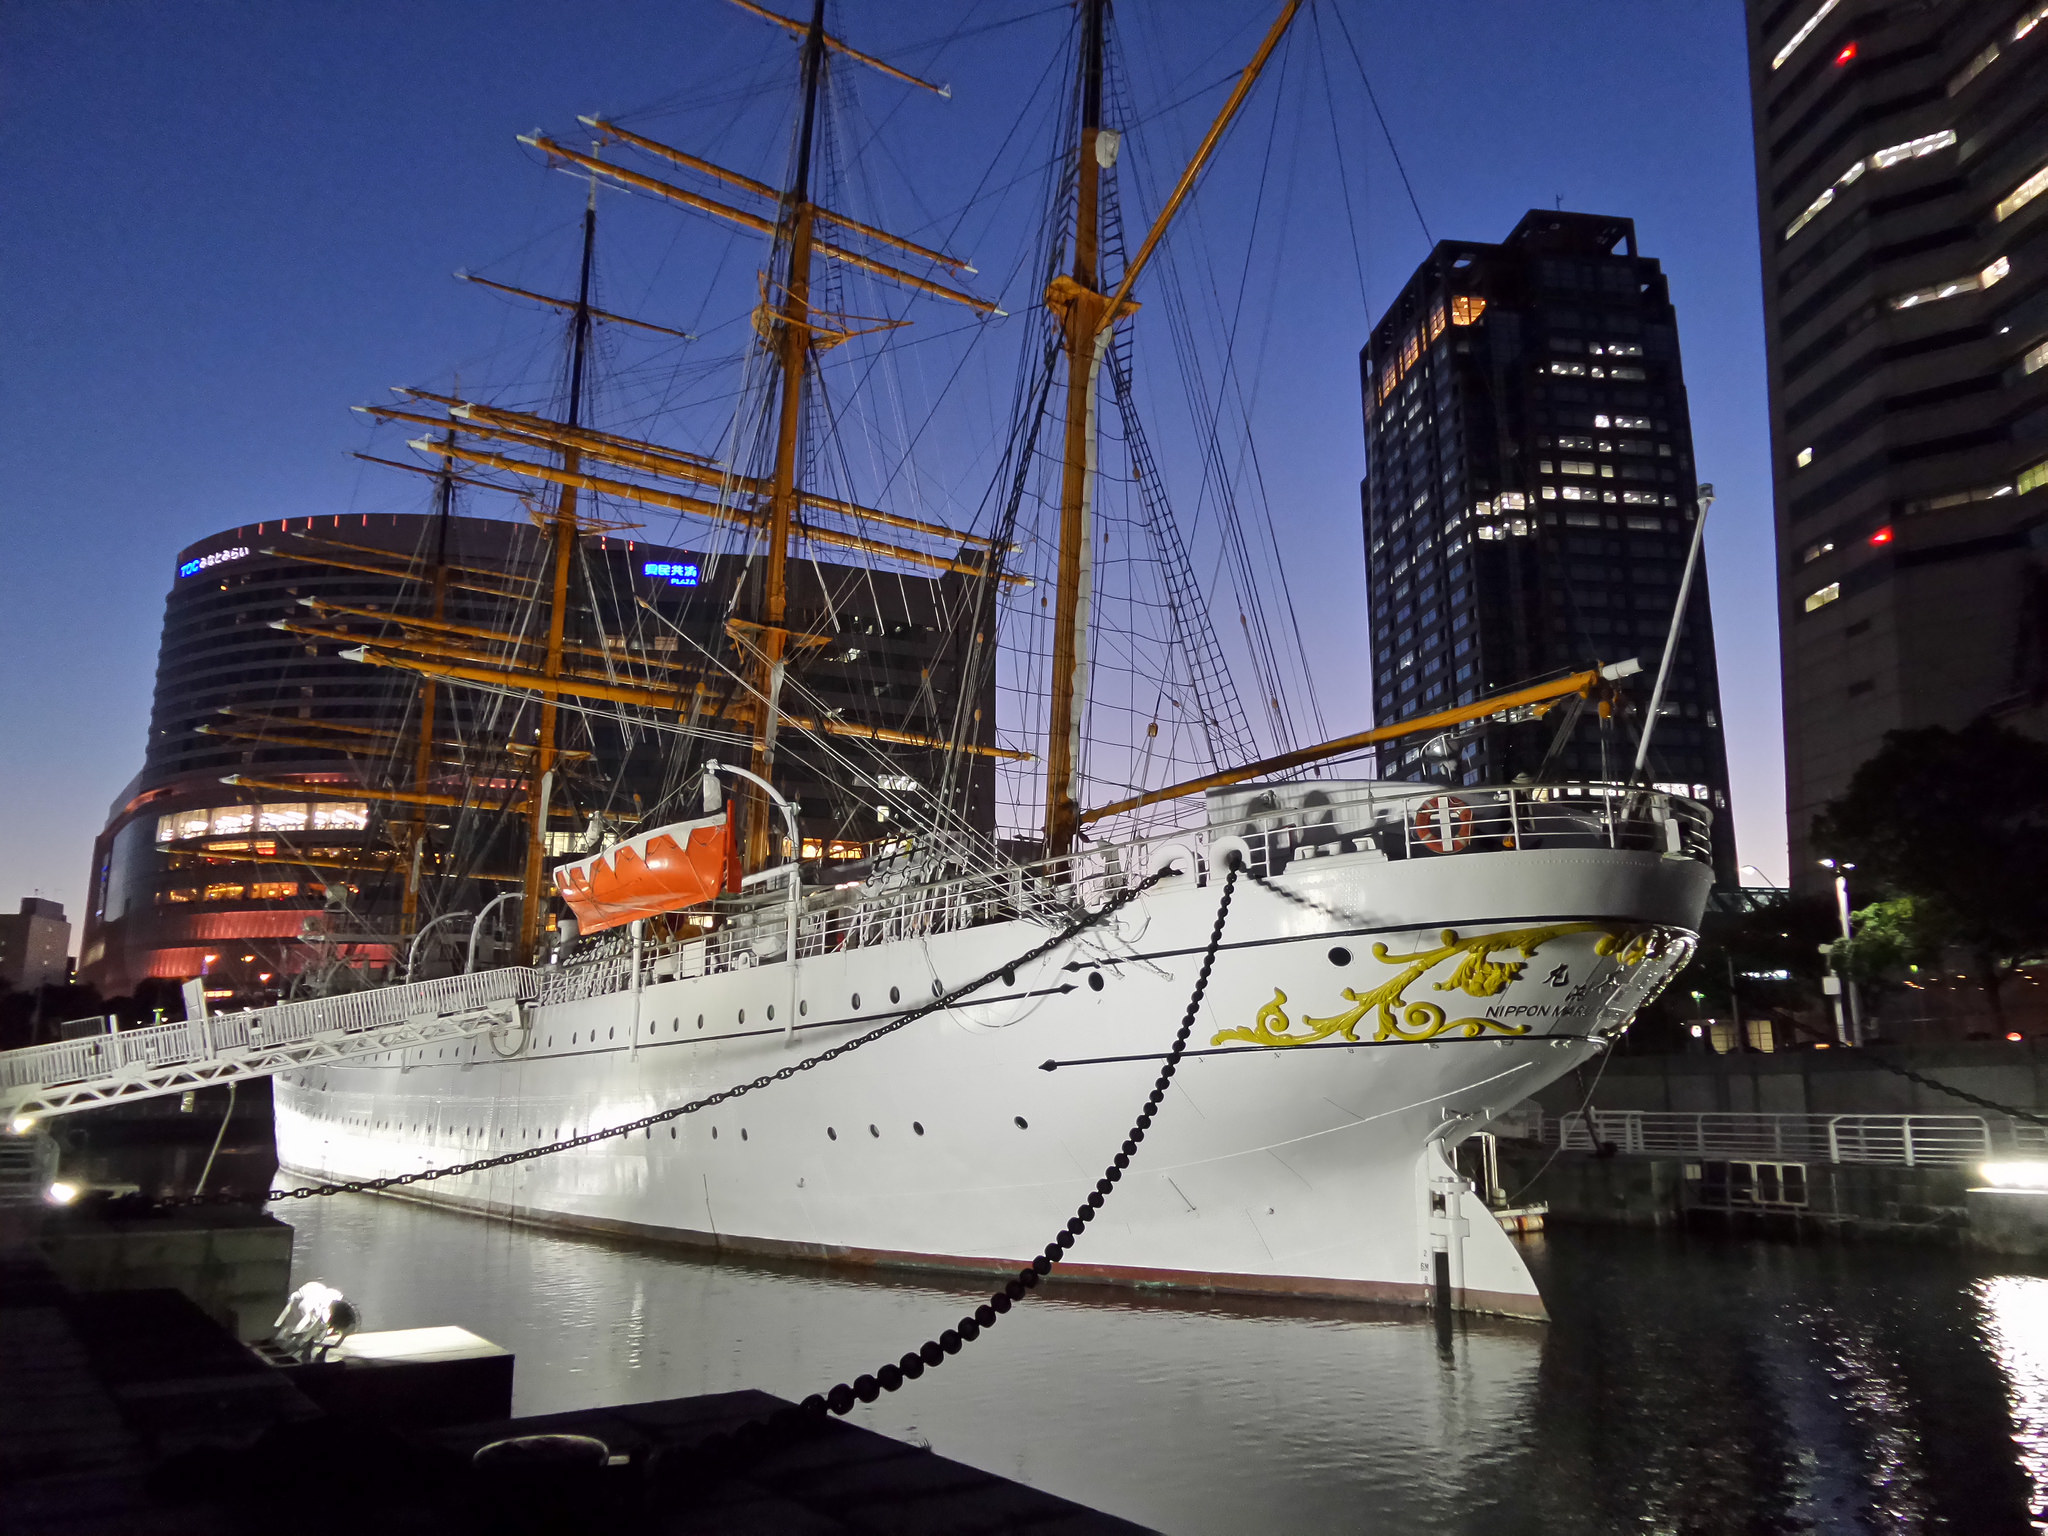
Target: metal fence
<point x="1906" y="1141"/>
<point x="168" y="1045"/>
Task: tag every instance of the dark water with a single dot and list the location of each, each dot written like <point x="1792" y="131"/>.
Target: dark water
<point x="1701" y="1385"/>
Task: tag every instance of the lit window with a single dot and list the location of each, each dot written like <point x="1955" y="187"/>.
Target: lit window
<point x="1570" y="370"/>
<point x="1626" y="373"/>
<point x="1805" y="457"/>
<point x="1813" y="552"/>
<point x="2023" y="194"/>
<point x="1973" y="69"/>
<point x="1466" y="308"/>
<point x="1912" y="149"/>
<point x="274" y="890"/>
<point x="2032" y="479"/>
<point x="1580" y="493"/>
<point x="226" y="891"/>
<point x="281" y="818"/>
<point x="1884" y="159"/>
<point x="180" y="825"/>
<point x="1577" y="467"/>
<point x="1995" y="273"/>
<point x="1549" y="494"/>
<point x="1436" y="322"/>
<point x="1805" y="31"/>
<point x="1960" y="498"/>
<point x="341" y="816"/>
<point x="1411" y="349"/>
<point x="1641" y="499"/>
<point x="233" y="820"/>
<point x="1824" y="596"/>
<point x="184" y="893"/>
<point x="1513" y="501"/>
<point x="2035" y="360"/>
<point x="1626" y="423"/>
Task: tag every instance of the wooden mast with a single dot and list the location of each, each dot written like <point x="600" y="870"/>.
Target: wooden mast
<point x="793" y="349"/>
<point x="565" y="531"/>
<point x="1079" y="304"/>
<point x="423" y="754"/>
<point x="1086" y="318"/>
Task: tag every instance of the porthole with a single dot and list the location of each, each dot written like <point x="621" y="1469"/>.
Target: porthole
<point x="675" y="1026"/>
<point x="830" y="1134"/>
<point x="937" y="990"/>
<point x="671" y="1133"/>
<point x="700" y="1021"/>
<point x="743" y="1133"/>
<point x="714" y="1133"/>
<point x="1095" y="981"/>
<point x="1340" y="956"/>
<point x="875" y="1131"/>
<point x="1022" y="1123"/>
<point x="917" y="1126"/>
<point x="895" y="995"/>
<point x="803" y="1007"/>
<point x="572" y="1041"/>
<point x="611" y="1034"/>
<point x="856" y="1000"/>
<point x="743" y="1015"/>
<point x="771" y="1013"/>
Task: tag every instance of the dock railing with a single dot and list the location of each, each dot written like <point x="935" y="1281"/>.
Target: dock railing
<point x="1898" y="1141"/>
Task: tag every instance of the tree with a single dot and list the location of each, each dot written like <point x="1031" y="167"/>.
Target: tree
<point x="1891" y="936"/>
<point x="1958" y="822"/>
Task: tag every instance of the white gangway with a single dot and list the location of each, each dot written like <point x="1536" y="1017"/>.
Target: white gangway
<point x="43" y="1080"/>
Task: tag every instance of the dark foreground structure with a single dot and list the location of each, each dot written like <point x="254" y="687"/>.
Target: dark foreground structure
<point x="132" y="1413"/>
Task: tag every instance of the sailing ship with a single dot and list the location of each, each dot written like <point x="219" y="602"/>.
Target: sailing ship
<point x="1404" y="959"/>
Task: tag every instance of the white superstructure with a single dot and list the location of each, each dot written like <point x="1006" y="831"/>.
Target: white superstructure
<point x="1378" y="1001"/>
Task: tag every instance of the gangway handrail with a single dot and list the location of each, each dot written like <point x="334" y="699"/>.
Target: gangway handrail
<point x="165" y="1058"/>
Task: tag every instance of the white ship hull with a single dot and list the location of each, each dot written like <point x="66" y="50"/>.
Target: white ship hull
<point x="1311" y="1168"/>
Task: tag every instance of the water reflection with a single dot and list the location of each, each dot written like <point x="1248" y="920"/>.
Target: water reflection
<point x="2016" y="1323"/>
<point x="1685" y="1386"/>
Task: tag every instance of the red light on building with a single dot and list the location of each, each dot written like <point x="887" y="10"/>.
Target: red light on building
<point x="2013" y="1034"/>
<point x="1848" y="52"/>
<point x="1882" y="536"/>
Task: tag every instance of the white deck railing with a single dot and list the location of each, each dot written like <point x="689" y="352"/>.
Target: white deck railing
<point x="1906" y="1141"/>
<point x="1273" y="827"/>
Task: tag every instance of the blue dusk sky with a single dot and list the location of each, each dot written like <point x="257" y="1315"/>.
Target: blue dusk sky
<point x="227" y="221"/>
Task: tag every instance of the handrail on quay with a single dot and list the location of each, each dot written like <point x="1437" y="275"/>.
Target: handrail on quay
<point x="1897" y="1141"/>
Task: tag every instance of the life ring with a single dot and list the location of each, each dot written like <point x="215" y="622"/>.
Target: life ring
<point x="1443" y="824"/>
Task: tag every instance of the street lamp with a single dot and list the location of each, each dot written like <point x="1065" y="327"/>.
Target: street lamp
<point x="1853" y="1035"/>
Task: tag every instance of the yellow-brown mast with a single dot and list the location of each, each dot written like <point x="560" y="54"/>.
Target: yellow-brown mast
<point x="793" y="350"/>
<point x="565" y="529"/>
<point x="423" y="752"/>
<point x="1079" y="305"/>
<point x="1086" y="317"/>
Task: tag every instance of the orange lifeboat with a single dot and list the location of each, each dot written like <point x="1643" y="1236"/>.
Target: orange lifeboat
<point x="665" y="870"/>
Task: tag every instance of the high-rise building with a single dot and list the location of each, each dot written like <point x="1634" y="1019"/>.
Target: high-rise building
<point x="35" y="946"/>
<point x="1529" y="500"/>
<point x="269" y="828"/>
<point x="1902" y="184"/>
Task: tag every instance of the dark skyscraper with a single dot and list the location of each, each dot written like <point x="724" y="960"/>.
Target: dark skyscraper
<point x="1529" y="499"/>
<point x="1902" y="181"/>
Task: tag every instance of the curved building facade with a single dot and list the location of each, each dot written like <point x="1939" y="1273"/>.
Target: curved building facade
<point x="304" y="862"/>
